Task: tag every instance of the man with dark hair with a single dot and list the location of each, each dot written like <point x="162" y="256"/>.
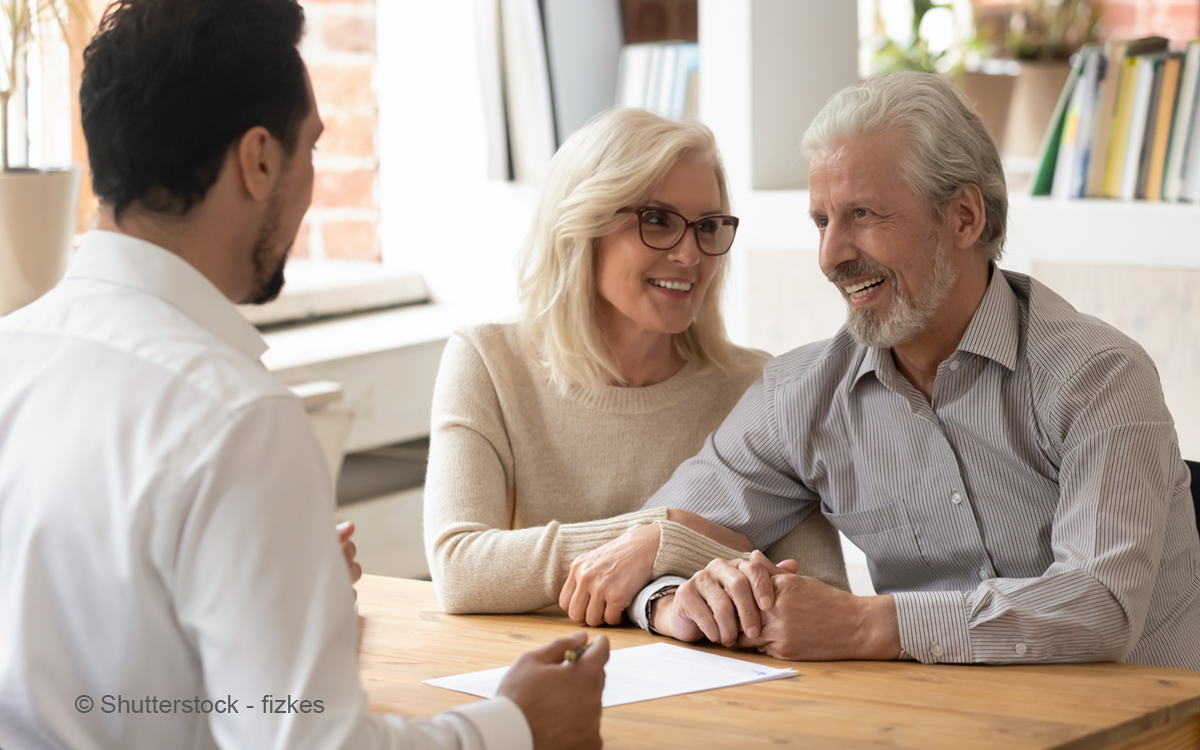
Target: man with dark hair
<point x="166" y="553"/>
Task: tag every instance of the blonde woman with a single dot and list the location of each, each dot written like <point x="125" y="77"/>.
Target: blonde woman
<point x="549" y="434"/>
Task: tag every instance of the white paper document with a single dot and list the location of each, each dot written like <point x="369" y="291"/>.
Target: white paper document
<point x="642" y="673"/>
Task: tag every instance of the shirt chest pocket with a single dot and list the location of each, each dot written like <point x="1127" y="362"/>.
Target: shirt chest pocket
<point x="890" y="544"/>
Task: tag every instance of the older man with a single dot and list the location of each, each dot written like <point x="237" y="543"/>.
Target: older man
<point x="1007" y="464"/>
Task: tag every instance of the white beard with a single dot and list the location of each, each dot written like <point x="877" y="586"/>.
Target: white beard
<point x="905" y="317"/>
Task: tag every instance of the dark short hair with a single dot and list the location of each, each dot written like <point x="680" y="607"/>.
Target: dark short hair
<point x="169" y="85"/>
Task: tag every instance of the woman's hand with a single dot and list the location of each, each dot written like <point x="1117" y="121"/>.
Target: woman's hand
<point x="344" y="532"/>
<point x="603" y="582"/>
<point x="715" y="532"/>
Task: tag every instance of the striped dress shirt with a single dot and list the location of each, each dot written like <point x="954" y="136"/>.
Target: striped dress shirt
<point x="1037" y="510"/>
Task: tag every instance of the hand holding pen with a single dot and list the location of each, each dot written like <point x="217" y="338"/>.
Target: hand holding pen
<point x="560" y="696"/>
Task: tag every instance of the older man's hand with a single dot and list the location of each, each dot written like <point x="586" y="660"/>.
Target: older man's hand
<point x="722" y="601"/>
<point x="757" y="604"/>
<point x="812" y="621"/>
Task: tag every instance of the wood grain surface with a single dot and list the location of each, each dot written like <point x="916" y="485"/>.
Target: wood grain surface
<point x="405" y="637"/>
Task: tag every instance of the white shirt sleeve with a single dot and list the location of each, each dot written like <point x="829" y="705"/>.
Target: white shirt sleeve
<point x="637" y="611"/>
<point x="262" y="593"/>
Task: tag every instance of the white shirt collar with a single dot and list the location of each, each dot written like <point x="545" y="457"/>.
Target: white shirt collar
<point x="120" y="259"/>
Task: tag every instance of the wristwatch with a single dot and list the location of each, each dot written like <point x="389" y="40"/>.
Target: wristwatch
<point x="650" y="606"/>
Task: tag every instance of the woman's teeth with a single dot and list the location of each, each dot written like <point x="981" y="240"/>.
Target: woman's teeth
<point x="677" y="286"/>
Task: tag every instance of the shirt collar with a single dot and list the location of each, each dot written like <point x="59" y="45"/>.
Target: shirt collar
<point x="994" y="332"/>
<point x="878" y="361"/>
<point x="120" y="259"/>
<point x="995" y="329"/>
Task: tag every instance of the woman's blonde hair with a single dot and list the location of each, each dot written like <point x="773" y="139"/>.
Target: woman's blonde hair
<point x="616" y="161"/>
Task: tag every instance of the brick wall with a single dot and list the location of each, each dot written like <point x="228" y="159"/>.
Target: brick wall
<point x="1177" y="20"/>
<point x="339" y="49"/>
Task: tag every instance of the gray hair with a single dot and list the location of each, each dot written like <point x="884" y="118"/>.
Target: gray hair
<point x="948" y="144"/>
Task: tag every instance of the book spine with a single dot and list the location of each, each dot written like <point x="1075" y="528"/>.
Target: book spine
<point x="1185" y="112"/>
<point x="1110" y="74"/>
<point x="1121" y="122"/>
<point x="1162" y="131"/>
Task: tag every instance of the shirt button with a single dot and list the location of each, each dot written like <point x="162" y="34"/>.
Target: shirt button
<point x="983" y="574"/>
<point x="936" y="650"/>
<point x="1020" y="649"/>
<point x="956" y="498"/>
<point x="954" y="365"/>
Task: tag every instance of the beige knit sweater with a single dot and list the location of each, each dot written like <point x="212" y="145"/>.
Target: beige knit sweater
<point x="524" y="477"/>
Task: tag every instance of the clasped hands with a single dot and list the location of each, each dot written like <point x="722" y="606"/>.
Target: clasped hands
<point x="757" y="604"/>
<point x="737" y="603"/>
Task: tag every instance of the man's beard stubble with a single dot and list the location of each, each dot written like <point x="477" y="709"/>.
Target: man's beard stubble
<point x="268" y="274"/>
<point x="905" y="317"/>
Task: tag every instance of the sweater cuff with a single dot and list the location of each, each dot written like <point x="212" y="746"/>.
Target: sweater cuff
<point x="577" y="538"/>
<point x="683" y="552"/>
<point x="933" y="626"/>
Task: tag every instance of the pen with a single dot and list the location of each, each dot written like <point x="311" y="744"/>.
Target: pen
<point x="573" y="654"/>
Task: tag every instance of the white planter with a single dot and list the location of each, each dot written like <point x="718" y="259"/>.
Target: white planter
<point x="37" y="222"/>
<point x="1035" y="94"/>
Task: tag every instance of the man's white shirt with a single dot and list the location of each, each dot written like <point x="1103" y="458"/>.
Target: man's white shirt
<point x="166" y="533"/>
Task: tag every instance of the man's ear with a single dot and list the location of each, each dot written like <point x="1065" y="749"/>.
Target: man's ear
<point x="967" y="216"/>
<point x="260" y="160"/>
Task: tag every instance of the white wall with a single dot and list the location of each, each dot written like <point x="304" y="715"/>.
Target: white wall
<point x="443" y="217"/>
<point x="439" y="213"/>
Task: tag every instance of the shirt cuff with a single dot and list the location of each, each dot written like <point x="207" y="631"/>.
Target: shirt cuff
<point x="933" y="626"/>
<point x="637" y="610"/>
<point x="500" y="723"/>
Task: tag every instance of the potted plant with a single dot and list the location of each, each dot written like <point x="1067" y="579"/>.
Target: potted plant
<point x="940" y="37"/>
<point x="1041" y="36"/>
<point x="37" y="206"/>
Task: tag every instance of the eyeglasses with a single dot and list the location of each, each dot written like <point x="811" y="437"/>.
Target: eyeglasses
<point x="663" y="229"/>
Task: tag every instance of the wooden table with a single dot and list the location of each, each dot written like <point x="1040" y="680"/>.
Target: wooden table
<point x="406" y="637"/>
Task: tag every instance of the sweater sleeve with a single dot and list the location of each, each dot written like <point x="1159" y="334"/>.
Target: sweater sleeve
<point x="813" y="543"/>
<point x="479" y="563"/>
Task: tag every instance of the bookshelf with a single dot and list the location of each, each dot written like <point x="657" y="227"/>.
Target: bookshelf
<point x="1098" y="231"/>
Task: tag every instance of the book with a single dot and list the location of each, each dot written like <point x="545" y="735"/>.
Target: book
<point x="687" y="68"/>
<point x="1139" y="111"/>
<point x="1190" y="191"/>
<point x="660" y="77"/>
<point x="1185" y="112"/>
<point x="1073" y="150"/>
<point x="1120" y="127"/>
<point x="633" y="74"/>
<point x="1157" y="64"/>
<point x="1168" y="90"/>
<point x="1047" y="158"/>
<point x="1110" y="77"/>
<point x="1126" y="87"/>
